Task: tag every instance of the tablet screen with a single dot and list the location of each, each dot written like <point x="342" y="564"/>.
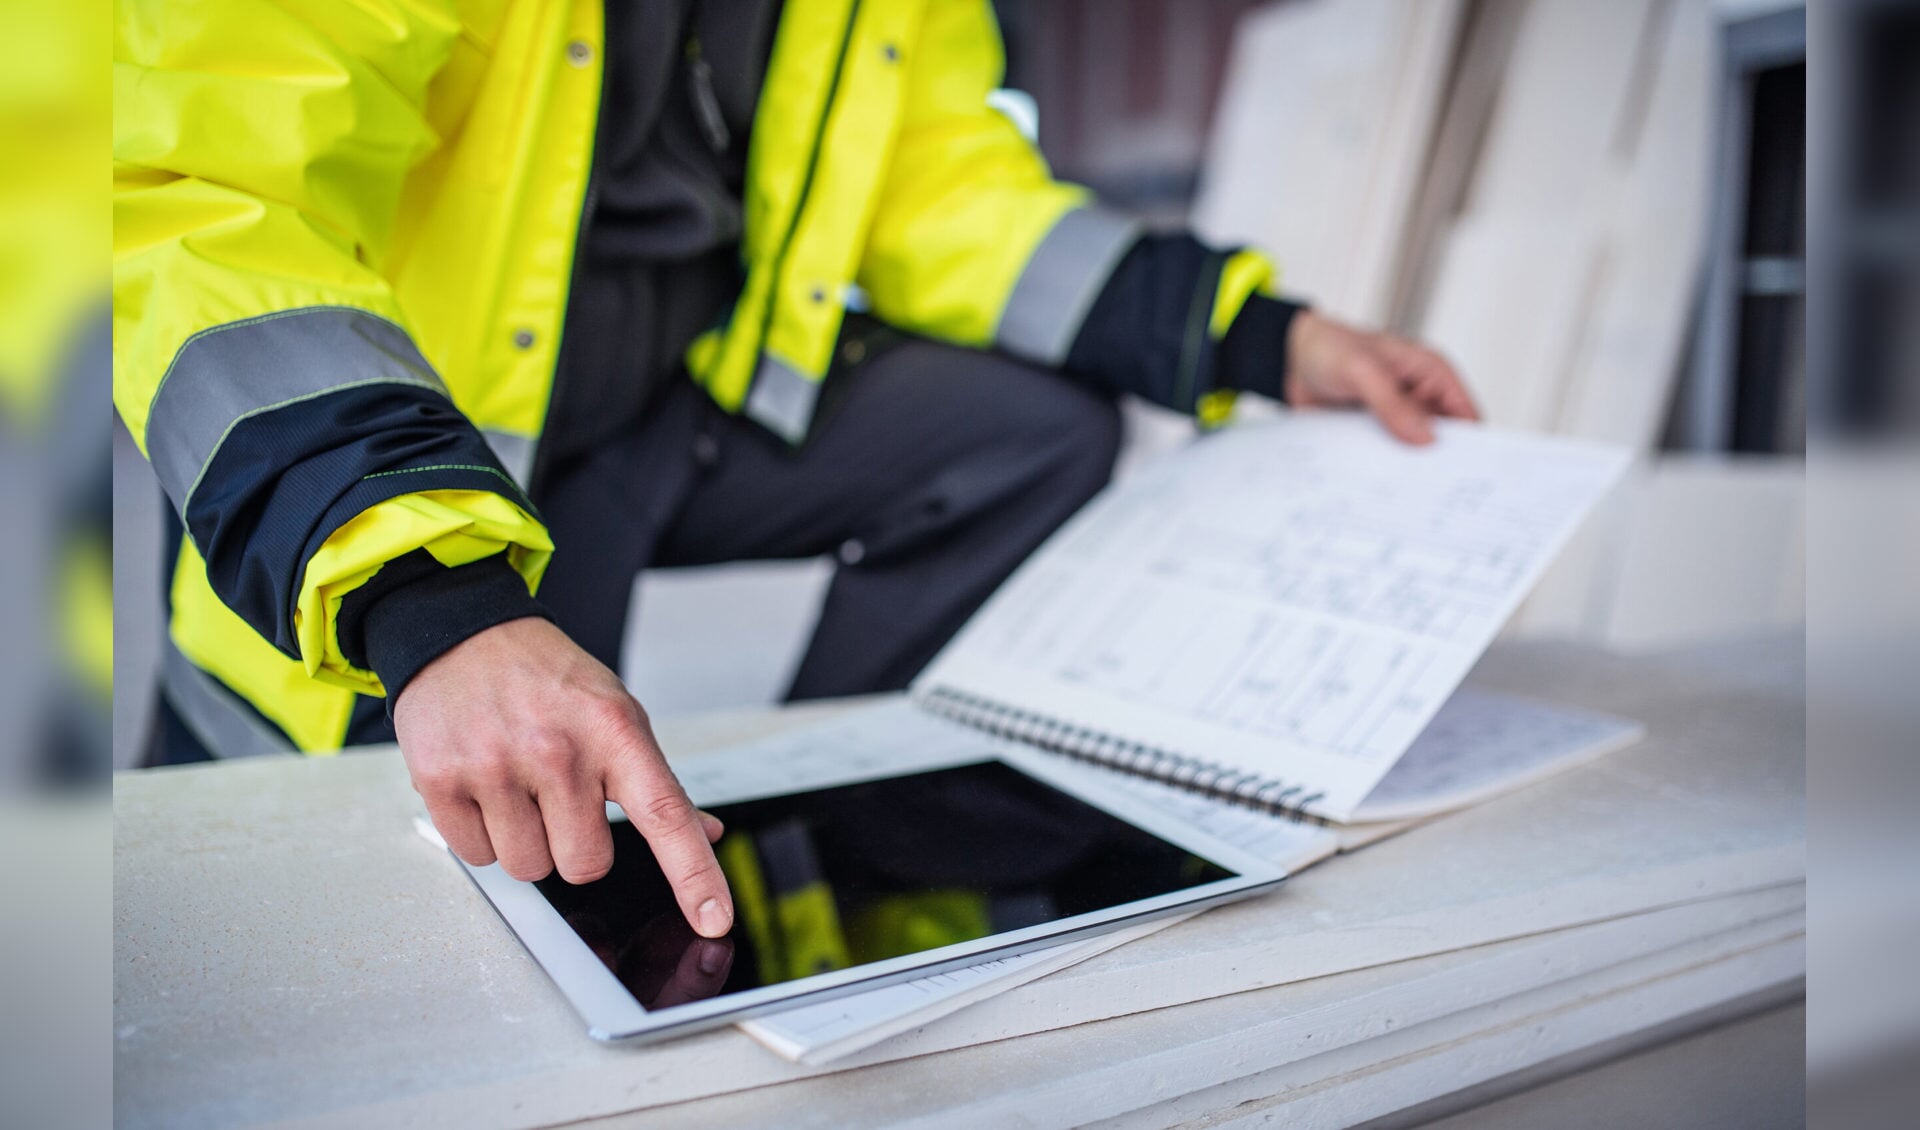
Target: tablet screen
<point x="843" y="876"/>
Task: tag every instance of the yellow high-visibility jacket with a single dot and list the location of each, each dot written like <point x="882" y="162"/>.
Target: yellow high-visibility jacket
<point x="344" y="237"/>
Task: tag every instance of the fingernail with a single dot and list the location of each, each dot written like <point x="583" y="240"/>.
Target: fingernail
<point x="714" y="919"/>
<point x="713" y="957"/>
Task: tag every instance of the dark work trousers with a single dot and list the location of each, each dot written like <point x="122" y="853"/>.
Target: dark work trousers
<point x="931" y="472"/>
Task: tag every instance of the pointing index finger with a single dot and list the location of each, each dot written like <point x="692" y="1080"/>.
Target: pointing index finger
<point x="639" y="781"/>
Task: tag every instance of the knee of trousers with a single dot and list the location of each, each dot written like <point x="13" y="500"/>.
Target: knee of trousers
<point x="1040" y="446"/>
<point x="1082" y="430"/>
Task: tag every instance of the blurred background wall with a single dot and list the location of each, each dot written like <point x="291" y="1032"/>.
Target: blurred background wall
<point x="1597" y="209"/>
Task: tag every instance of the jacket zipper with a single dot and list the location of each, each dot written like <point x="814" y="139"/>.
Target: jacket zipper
<point x="706" y="103"/>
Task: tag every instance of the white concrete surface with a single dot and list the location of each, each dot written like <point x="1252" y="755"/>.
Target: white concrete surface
<point x="287" y="950"/>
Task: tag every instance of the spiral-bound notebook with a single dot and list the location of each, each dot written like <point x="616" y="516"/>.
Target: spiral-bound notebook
<point x="1274" y="612"/>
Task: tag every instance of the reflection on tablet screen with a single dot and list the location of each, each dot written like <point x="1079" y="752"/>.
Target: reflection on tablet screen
<point x="858" y="873"/>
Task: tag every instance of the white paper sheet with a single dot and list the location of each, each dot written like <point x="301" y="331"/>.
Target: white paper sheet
<point x="886" y="739"/>
<point x="822" y="1033"/>
<point x="1293" y="599"/>
<point x="1481" y="743"/>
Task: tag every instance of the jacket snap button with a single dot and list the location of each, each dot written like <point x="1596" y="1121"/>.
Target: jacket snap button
<point x="852" y="552"/>
<point x="854" y="351"/>
<point x="579" y="52"/>
<point x="891" y="53"/>
<point x="523" y="339"/>
<point x="818" y="294"/>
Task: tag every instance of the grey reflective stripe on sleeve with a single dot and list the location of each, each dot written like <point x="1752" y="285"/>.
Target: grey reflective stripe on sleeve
<point x="215" y="714"/>
<point x="515" y="453"/>
<point x="782" y="399"/>
<point x="1061" y="281"/>
<point x="226" y="374"/>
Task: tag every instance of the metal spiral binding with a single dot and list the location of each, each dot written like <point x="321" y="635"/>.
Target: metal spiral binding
<point x="1103" y="748"/>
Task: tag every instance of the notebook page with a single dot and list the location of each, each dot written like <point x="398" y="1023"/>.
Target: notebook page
<point x="1293" y="598"/>
<point x="1482" y="743"/>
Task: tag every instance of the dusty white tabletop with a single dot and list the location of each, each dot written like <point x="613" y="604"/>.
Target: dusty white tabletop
<point x="288" y="951"/>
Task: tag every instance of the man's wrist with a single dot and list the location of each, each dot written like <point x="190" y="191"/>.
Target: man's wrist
<point x="415" y="610"/>
<point x="1253" y="355"/>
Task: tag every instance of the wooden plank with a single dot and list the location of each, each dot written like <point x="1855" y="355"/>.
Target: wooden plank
<point x="1323" y="129"/>
<point x="1279" y="1041"/>
<point x="1506" y="308"/>
<point x="1513" y="286"/>
<point x="1570" y="84"/>
<point x="1633" y="343"/>
<point x="1486" y="44"/>
<point x="1397" y="1073"/>
<point x="1564" y="289"/>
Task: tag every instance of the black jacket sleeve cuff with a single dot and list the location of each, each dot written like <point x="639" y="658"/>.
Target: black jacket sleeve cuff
<point x="414" y="610"/>
<point x="1146" y="332"/>
<point x="1253" y="355"/>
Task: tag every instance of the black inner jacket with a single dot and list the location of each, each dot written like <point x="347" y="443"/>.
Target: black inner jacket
<point x="658" y="260"/>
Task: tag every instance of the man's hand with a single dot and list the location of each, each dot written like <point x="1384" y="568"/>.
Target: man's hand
<point x="516" y="738"/>
<point x="1404" y="384"/>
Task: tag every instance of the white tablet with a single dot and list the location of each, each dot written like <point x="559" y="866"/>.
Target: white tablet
<point x="863" y="882"/>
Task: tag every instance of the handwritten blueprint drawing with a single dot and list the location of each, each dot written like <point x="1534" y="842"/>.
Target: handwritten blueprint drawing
<point x="1292" y="599"/>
